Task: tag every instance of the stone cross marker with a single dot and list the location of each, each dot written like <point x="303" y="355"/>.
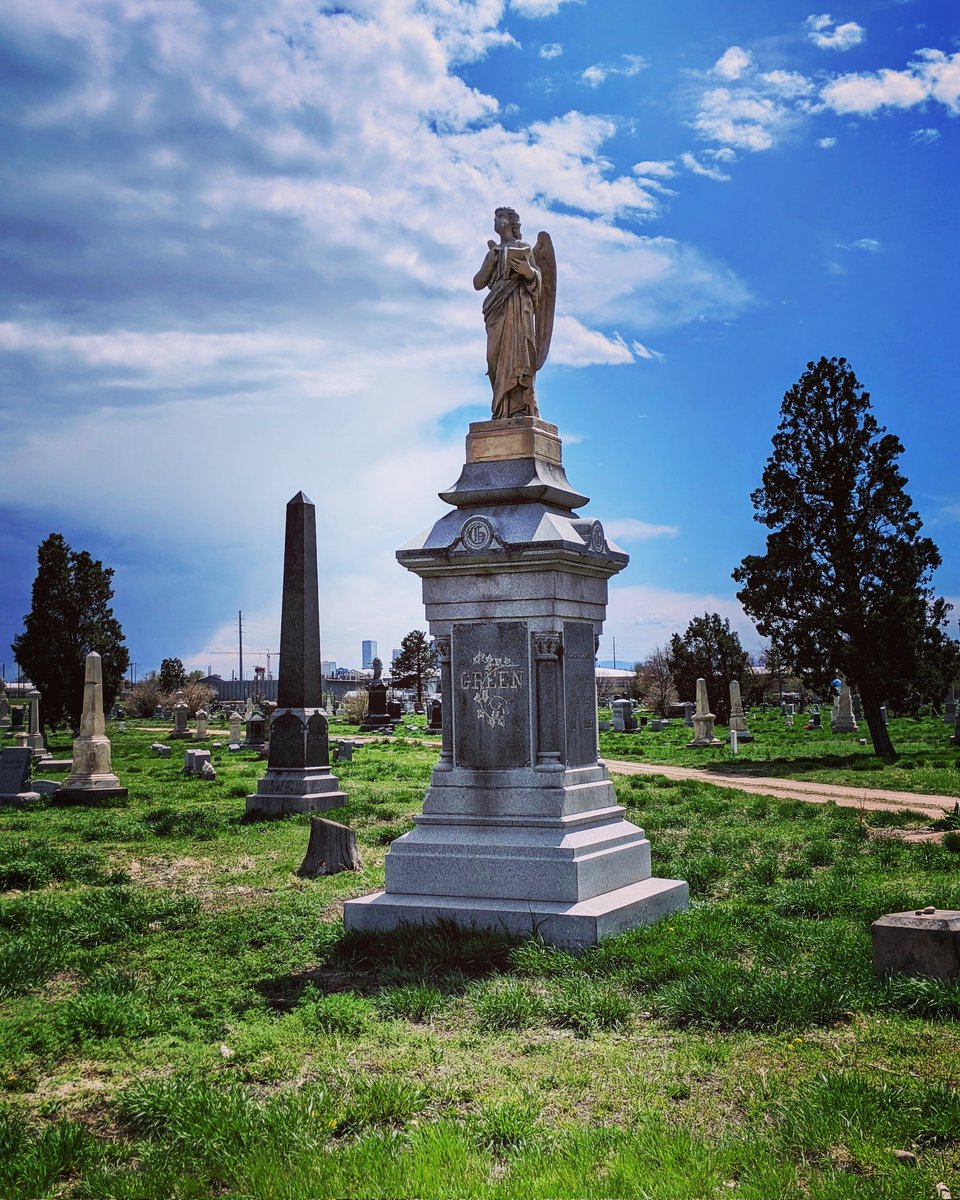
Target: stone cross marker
<point x="298" y="777"/>
<point x="91" y="775"/>
<point x="520" y="828"/>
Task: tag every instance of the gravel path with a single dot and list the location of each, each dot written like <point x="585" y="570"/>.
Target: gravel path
<point x="799" y="789"/>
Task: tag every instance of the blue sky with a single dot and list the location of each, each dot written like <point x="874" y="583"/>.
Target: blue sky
<point x="237" y="243"/>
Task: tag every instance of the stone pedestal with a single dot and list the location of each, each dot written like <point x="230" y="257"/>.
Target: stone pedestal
<point x="90" y="777"/>
<point x="704" y="720"/>
<point x="4" y="711"/>
<point x="843" y="720"/>
<point x="520" y="828"/>
<point x="298" y="776"/>
<point x="181" y="715"/>
<point x="255" y="733"/>
<point x="377" y="720"/>
<point x="738" y="720"/>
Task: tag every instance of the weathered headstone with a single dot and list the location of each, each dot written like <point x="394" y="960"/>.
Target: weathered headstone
<point x="738" y="720"/>
<point x="17" y="717"/>
<point x="181" y="714"/>
<point x="434" y="714"/>
<point x="856" y="704"/>
<point x="378" y="718"/>
<point x="843" y="720"/>
<point x="520" y="828"/>
<point x="16" y="764"/>
<point x="202" y="718"/>
<point x="925" y="942"/>
<point x="298" y="776"/>
<point x="160" y="750"/>
<point x="688" y="710"/>
<point x="4" y="709"/>
<point x="816" y="721"/>
<point x="623" y="718"/>
<point x="235" y="724"/>
<point x="91" y="776"/>
<point x="344" y="751"/>
<point x="703" y="720"/>
<point x="950" y="707"/>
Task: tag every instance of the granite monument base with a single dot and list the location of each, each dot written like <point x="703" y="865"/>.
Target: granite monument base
<point x="571" y="926"/>
<point x="293" y="790"/>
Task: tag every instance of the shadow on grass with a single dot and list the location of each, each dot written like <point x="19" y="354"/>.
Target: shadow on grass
<point x="789" y="767"/>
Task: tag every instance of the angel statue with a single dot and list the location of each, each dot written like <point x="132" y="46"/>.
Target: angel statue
<point x="518" y="313"/>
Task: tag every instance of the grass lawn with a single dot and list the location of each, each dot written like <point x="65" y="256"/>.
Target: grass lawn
<point x="182" y="1016"/>
<point x="926" y="762"/>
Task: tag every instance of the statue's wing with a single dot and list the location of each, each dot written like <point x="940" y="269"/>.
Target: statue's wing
<point x="546" y="260"/>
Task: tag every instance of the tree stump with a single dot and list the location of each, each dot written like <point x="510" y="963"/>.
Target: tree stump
<point x="332" y="848"/>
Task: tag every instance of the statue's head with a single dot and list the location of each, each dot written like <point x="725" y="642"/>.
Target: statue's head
<point x="511" y="215"/>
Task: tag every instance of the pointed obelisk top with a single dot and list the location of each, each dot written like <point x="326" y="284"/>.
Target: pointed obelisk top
<point x="92" y="720"/>
<point x="299" y="683"/>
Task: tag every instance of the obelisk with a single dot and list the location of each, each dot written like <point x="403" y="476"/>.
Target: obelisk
<point x="91" y="777"/>
<point x="298" y="777"/>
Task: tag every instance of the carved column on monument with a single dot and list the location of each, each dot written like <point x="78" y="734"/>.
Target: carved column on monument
<point x="546" y="655"/>
<point x="446" y="704"/>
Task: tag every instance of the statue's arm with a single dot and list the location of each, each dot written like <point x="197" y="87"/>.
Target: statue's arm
<point x="485" y="274"/>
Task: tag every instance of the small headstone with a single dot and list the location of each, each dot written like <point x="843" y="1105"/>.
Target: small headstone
<point x="857" y="705"/>
<point x="883" y="714"/>
<point x="394" y="710"/>
<point x="16" y="763"/>
<point x="925" y="943"/>
<point x="623" y="718"/>
<point x="46" y="787"/>
<point x="202" y="718"/>
<point x="344" y="751"/>
<point x="17" y="717"/>
<point x="4" y="710"/>
<point x="434" y="714"/>
<point x="235" y="725"/>
<point x="688" y="714"/>
<point x="160" y="750"/>
<point x="816" y="721"/>
<point x="193" y="761"/>
<point x="656" y="724"/>
<point x="950" y="707"/>
<point x="181" y="715"/>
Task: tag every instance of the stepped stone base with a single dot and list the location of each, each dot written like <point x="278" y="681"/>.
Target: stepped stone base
<point x="571" y="926"/>
<point x="295" y="790"/>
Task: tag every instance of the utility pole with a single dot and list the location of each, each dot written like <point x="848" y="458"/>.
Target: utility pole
<point x="240" y="635"/>
<point x="614" y="653"/>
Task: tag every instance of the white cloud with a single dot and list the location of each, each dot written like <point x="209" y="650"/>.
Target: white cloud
<point x="827" y="34"/>
<point x="708" y="163"/>
<point x="629" y="529"/>
<point x="826" y="143"/>
<point x="733" y="63"/>
<point x="747" y="120"/>
<point x="925" y="137"/>
<point x="932" y="75"/>
<point x="539" y="8"/>
<point x="789" y="84"/>
<point x="642" y="351"/>
<point x="644" y="616"/>
<point x="551" y="50"/>
<point x="631" y="64"/>
<point x="664" y="170"/>
<point x="871" y="245"/>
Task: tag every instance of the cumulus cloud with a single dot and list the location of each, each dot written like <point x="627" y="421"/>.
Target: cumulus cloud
<point x="539" y="8"/>
<point x="746" y="118"/>
<point x="827" y="34"/>
<point x="932" y="75"/>
<point x="733" y="63"/>
<point x="925" y="137"/>
<point x="551" y="50"/>
<point x="826" y="143"/>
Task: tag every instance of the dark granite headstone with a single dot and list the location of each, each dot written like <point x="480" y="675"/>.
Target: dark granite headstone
<point x="318" y="742"/>
<point x="580" y="693"/>
<point x="434" y="714"/>
<point x="287" y="743"/>
<point x="15" y="767"/>
<point x="16" y="717"/>
<point x="491" y="689"/>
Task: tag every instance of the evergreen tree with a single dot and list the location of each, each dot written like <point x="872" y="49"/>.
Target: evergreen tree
<point x="711" y="650"/>
<point x="416" y="662"/>
<point x="70" y="615"/>
<point x="844" y="584"/>
<point x="172" y="675"/>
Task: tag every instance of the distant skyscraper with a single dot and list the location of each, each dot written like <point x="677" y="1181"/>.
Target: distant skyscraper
<point x="394" y="655"/>
<point x="328" y="668"/>
<point x="369" y="653"/>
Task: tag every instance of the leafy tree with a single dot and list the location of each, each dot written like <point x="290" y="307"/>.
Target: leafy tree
<point x="70" y="616"/>
<point x="711" y="650"/>
<point x="172" y="675"/>
<point x="416" y="662"/>
<point x="844" y="584"/>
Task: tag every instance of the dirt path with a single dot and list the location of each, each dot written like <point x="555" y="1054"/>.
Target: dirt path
<point x="799" y="789"/>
